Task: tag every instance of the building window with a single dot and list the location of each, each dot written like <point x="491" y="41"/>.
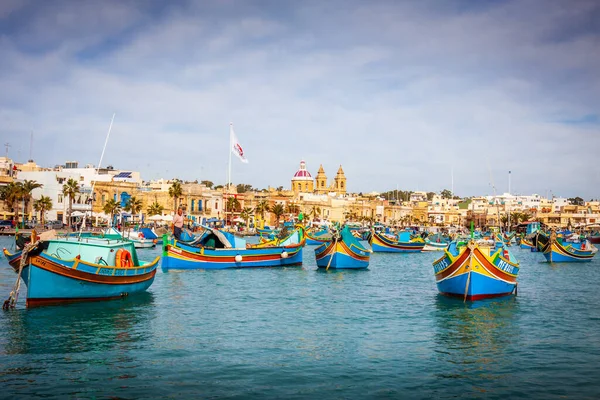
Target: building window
<point x="216" y="205"/>
<point x="103" y="198"/>
<point x="193" y="204"/>
<point x="342" y="184"/>
<point x="60" y="199"/>
<point x="322" y="184"/>
<point x="199" y="205"/>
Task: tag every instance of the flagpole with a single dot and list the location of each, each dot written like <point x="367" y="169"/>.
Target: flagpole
<point x="229" y="168"/>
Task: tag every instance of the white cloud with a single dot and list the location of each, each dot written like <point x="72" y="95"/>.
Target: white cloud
<point x="398" y="94"/>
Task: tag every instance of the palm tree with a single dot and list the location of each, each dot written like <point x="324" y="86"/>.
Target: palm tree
<point x="155" y="209"/>
<point x="233" y="204"/>
<point x="315" y="211"/>
<point x="278" y="211"/>
<point x="42" y="205"/>
<point x="261" y="208"/>
<point x="111" y="207"/>
<point x="175" y="192"/>
<point x="70" y="189"/>
<point x="11" y="194"/>
<point x="27" y="187"/>
<point x="246" y="213"/>
<point x="133" y="206"/>
<point x="292" y="209"/>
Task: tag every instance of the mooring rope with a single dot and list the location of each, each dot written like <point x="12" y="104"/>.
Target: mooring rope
<point x="14" y="294"/>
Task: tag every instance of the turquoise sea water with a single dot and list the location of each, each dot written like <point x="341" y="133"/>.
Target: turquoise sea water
<point x="303" y="333"/>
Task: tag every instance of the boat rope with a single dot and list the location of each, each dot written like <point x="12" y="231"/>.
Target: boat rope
<point x="14" y="294"/>
<point x="335" y="239"/>
<point x="471" y="246"/>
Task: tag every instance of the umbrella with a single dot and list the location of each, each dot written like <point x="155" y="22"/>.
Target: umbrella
<point x="238" y="219"/>
<point x="77" y="214"/>
<point x="156" y="218"/>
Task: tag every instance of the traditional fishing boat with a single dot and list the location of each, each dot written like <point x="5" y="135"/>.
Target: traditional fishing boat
<point x="475" y="272"/>
<point x="437" y="242"/>
<point x="526" y="244"/>
<point x="402" y="243"/>
<point x="297" y="236"/>
<point x="215" y="249"/>
<point x="317" y="238"/>
<point x="138" y="238"/>
<point x="555" y="249"/>
<point x="343" y="251"/>
<point x="57" y="270"/>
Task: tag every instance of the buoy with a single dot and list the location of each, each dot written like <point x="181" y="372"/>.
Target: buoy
<point x="284" y="254"/>
<point x="238" y="258"/>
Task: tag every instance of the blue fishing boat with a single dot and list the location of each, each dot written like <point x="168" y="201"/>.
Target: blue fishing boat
<point x="475" y="271"/>
<point x="69" y="269"/>
<point x="437" y="242"/>
<point x="343" y="251"/>
<point x="555" y="249"/>
<point x="216" y="249"/>
<point x="402" y="243"/>
<point x="317" y="238"/>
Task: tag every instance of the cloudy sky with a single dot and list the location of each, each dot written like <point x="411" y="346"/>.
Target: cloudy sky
<point x="399" y="93"/>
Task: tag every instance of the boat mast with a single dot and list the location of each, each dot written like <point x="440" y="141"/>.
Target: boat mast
<point x="96" y="177"/>
<point x="228" y="170"/>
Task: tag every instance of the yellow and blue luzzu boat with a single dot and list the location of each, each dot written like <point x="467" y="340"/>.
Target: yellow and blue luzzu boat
<point x="317" y="238"/>
<point x="343" y="251"/>
<point x="216" y="249"/>
<point x="81" y="269"/>
<point x="555" y="249"/>
<point x="403" y="243"/>
<point x="475" y="272"/>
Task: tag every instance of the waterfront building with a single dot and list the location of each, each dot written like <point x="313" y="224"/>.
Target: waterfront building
<point x="302" y="182"/>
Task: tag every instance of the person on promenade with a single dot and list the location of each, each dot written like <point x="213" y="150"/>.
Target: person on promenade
<point x="178" y="223"/>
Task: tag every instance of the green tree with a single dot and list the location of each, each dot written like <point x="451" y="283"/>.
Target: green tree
<point x="577" y="201"/>
<point x="208" y="184"/>
<point x="27" y="187"/>
<point x="70" y="189"/>
<point x="278" y="211"/>
<point x="430" y="196"/>
<point x="155" y="209"/>
<point x="243" y="188"/>
<point x="233" y="204"/>
<point x="175" y="192"/>
<point x="446" y="194"/>
<point x="315" y="211"/>
<point x="133" y="206"/>
<point x="292" y="209"/>
<point x="261" y="208"/>
<point x="246" y="214"/>
<point x="11" y="194"/>
<point x="42" y="205"/>
<point x="111" y="207"/>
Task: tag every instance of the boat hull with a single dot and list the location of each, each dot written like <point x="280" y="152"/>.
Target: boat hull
<point x="474" y="276"/>
<point x="435" y="246"/>
<point x="183" y="258"/>
<point x="381" y="244"/>
<point x="338" y="255"/>
<point x="52" y="281"/>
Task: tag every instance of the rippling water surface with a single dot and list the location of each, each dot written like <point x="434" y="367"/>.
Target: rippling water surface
<point x="303" y="333"/>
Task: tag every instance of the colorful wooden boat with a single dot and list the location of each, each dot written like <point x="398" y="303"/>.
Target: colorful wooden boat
<point x="219" y="250"/>
<point x="403" y="243"/>
<point x="556" y="250"/>
<point x="526" y="244"/>
<point x="436" y="242"/>
<point x="317" y="238"/>
<point x="344" y="251"/>
<point x="86" y="269"/>
<point x="297" y="236"/>
<point x="475" y="272"/>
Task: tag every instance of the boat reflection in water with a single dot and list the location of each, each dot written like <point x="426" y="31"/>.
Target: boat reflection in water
<point x="472" y="341"/>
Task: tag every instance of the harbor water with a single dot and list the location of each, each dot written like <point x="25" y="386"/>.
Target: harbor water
<point x="305" y="333"/>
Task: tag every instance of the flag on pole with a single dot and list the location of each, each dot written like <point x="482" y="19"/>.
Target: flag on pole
<point x="236" y="148"/>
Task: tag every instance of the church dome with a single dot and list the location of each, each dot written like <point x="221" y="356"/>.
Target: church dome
<point x="302" y="173"/>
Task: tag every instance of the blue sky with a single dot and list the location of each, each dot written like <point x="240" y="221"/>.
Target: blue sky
<point x="399" y="93"/>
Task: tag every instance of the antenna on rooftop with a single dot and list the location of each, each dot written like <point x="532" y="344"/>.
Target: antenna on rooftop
<point x="7" y="145"/>
<point x="31" y="145"/>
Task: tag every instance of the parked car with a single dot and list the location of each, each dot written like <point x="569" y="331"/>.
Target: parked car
<point x="54" y="225"/>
